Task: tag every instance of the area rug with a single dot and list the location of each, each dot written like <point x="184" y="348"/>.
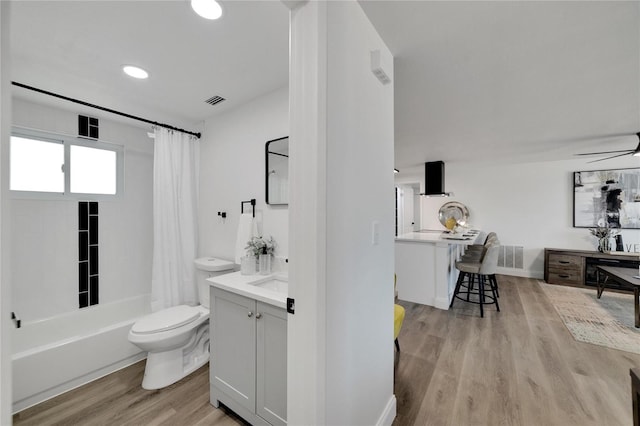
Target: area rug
<point x="607" y="321"/>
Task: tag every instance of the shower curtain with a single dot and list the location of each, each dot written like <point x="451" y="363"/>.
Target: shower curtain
<point x="175" y="222"/>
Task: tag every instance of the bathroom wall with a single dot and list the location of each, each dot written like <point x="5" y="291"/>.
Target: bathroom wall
<point x="340" y="353"/>
<point x="44" y="233"/>
<point x="232" y="169"/>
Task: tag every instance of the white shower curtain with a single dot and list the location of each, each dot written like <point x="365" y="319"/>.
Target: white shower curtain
<point x="175" y="222"/>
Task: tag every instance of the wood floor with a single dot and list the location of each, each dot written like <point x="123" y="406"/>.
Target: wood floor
<point x="516" y="367"/>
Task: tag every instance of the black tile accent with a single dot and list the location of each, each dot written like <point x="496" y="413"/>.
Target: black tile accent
<point x="93" y="291"/>
<point x="83" y="215"/>
<point x="88" y="290"/>
<point x="88" y="127"/>
<point x="93" y="260"/>
<point x="83" y="125"/>
<point x="83" y="300"/>
<point x="83" y="276"/>
<point x="93" y="230"/>
<point x="83" y="246"/>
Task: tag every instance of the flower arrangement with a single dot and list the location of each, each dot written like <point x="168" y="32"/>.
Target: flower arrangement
<point x="259" y="245"/>
<point x="604" y="233"/>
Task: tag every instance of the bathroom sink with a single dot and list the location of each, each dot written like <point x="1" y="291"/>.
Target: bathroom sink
<point x="274" y="284"/>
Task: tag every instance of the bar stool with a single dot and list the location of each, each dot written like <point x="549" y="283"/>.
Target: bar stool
<point x="476" y="250"/>
<point x="474" y="253"/>
<point x="484" y="270"/>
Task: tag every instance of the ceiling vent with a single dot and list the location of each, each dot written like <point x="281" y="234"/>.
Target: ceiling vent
<point x="214" y="100"/>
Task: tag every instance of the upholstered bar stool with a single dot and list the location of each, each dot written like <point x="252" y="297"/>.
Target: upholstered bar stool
<point x="474" y="253"/>
<point x="484" y="271"/>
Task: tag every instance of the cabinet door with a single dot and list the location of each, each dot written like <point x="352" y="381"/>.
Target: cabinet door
<point x="233" y="347"/>
<point x="271" y="379"/>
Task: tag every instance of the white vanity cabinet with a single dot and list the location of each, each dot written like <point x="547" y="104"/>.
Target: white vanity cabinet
<point x="248" y="368"/>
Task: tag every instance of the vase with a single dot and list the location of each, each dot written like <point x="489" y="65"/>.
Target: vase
<point x="264" y="262"/>
<point x="604" y="245"/>
<point x="248" y="265"/>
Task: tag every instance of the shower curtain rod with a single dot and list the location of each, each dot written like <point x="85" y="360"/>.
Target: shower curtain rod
<point x="112" y="111"/>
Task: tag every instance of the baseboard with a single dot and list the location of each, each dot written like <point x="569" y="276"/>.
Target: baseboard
<point x="525" y="273"/>
<point x="389" y="413"/>
<point x="441" y="303"/>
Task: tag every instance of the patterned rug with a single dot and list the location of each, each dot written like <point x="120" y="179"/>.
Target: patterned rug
<point x="607" y="321"/>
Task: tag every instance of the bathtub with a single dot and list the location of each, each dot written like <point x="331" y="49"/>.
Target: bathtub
<point x="57" y="354"/>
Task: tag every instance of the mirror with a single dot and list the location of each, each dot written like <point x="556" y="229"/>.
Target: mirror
<point x="277" y="171"/>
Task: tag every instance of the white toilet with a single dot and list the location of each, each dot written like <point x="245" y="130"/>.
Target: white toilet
<point x="177" y="338"/>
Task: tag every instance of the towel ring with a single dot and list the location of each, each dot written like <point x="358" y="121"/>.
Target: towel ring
<point x="253" y="206"/>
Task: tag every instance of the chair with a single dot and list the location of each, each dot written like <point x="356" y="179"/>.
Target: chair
<point x="483" y="270"/>
<point x="398" y="317"/>
<point x="474" y="253"/>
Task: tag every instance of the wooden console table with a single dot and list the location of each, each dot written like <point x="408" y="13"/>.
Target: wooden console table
<point x="578" y="268"/>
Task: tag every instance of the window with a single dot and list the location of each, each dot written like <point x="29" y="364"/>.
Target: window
<point x="93" y="171"/>
<point x="66" y="166"/>
<point x="36" y="165"/>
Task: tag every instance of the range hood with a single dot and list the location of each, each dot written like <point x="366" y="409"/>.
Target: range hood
<point x="434" y="179"/>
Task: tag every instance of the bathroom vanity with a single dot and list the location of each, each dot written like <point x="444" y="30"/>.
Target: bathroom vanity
<point x="248" y="328"/>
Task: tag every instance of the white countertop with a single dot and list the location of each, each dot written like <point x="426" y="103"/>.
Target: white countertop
<point x="244" y="285"/>
<point x="466" y="238"/>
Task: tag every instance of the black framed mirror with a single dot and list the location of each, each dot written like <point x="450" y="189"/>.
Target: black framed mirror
<point x="277" y="171"/>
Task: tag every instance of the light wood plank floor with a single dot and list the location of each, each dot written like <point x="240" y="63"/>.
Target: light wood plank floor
<point x="516" y="367"/>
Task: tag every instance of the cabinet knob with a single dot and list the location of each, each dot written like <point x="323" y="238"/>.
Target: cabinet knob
<point x="250" y="314"/>
<point x="258" y="315"/>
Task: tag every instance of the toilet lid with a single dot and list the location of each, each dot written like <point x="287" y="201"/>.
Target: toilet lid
<point x="166" y="319"/>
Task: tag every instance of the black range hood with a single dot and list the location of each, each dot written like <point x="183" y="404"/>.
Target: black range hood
<point x="434" y="179"/>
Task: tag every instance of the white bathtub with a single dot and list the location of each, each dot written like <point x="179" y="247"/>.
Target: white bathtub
<point x="54" y="355"/>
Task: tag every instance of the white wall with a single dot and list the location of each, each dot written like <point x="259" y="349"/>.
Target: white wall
<point x="342" y="188"/>
<point x="44" y="243"/>
<point x="232" y="169"/>
<point x="527" y="204"/>
<point x="5" y="282"/>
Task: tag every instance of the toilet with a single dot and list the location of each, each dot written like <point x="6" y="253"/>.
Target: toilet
<point x="177" y="338"/>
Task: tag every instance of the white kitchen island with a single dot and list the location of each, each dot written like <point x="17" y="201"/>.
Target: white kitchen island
<point x="425" y="266"/>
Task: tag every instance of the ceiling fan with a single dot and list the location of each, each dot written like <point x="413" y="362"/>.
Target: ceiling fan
<point x="634" y="152"/>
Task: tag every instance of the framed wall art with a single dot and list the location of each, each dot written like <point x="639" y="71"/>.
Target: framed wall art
<point x="607" y="198"/>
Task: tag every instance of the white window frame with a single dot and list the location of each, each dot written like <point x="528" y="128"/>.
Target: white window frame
<point x="67" y="141"/>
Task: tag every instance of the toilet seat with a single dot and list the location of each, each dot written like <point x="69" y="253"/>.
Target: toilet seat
<point x="166" y="319"/>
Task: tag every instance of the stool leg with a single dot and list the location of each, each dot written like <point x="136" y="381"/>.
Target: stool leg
<point x="397" y="345"/>
<point x="494" y="292"/>
<point x="492" y="278"/>
<point x="457" y="290"/>
<point x="470" y="286"/>
<point x="481" y="289"/>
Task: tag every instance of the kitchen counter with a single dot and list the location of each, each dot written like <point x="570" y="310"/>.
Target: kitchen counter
<point x="425" y="266"/>
<point x="250" y="286"/>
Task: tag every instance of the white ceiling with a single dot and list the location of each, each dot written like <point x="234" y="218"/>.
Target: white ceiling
<point x="77" y="49"/>
<point x="520" y="80"/>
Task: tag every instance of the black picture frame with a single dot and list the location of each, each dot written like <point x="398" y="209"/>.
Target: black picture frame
<point x="607" y="198"/>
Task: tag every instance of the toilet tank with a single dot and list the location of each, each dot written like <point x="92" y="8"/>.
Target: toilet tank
<point x="207" y="267"/>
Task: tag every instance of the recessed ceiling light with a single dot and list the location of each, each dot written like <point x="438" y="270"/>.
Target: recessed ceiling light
<point x="135" y="72"/>
<point x="208" y="9"/>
